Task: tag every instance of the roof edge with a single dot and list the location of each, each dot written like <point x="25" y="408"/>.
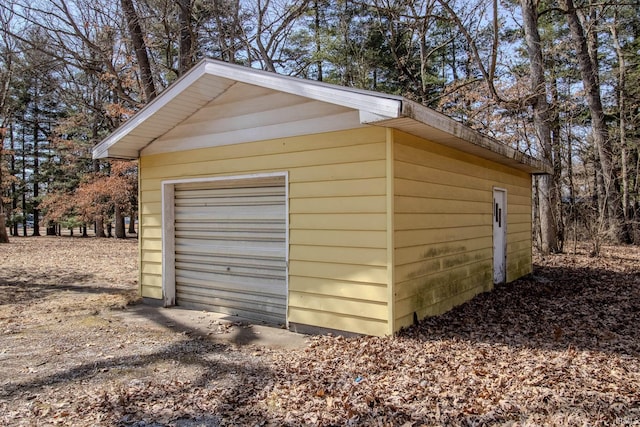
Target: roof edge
<point x="357" y="99"/>
<point x="378" y="104"/>
<point x="448" y="125"/>
<point x="101" y="150"/>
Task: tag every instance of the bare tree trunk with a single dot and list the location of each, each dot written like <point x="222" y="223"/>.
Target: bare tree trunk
<point x="186" y="35"/>
<point x="51" y="228"/>
<point x="23" y="184"/>
<point x="14" y="171"/>
<point x="573" y="217"/>
<point x="487" y="74"/>
<point x="542" y="124"/>
<point x="317" y="39"/>
<point x="611" y="198"/>
<point x="536" y="214"/>
<point x="99" y="226"/>
<point x="120" y="234"/>
<point x="262" y="49"/>
<point x="36" y="170"/>
<point x="4" y="114"/>
<point x="626" y="208"/>
<point x="4" y="237"/>
<point x="137" y="39"/>
<point x="556" y="144"/>
<point x="132" y="221"/>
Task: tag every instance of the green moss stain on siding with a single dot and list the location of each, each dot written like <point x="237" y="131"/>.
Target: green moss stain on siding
<point x="444" y="238"/>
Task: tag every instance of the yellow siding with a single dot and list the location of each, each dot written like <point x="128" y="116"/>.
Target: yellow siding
<point x="443" y="238"/>
<point x="353" y="195"/>
<point x="338" y="271"/>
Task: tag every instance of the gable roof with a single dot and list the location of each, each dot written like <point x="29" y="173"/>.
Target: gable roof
<point x="238" y="103"/>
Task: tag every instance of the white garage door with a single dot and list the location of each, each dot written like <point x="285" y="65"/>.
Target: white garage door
<point x="230" y="247"/>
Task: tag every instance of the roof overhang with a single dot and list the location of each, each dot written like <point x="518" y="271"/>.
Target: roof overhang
<point x="211" y="79"/>
<point x="418" y="120"/>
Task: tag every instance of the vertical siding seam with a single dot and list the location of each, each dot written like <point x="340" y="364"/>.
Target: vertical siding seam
<point x="139" y="227"/>
<point x="390" y="176"/>
<point x="168" y="244"/>
<point x="287" y="244"/>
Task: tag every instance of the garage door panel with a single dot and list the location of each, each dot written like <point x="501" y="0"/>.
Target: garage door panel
<point x="233" y="269"/>
<point x="211" y="285"/>
<point x="245" y="311"/>
<point x="247" y="233"/>
<point x="229" y="201"/>
<point x="232" y="299"/>
<point x="232" y="214"/>
<point x="208" y="222"/>
<point x="222" y="236"/>
<point x="222" y="231"/>
<point x="230" y="247"/>
<point x="260" y="260"/>
<point x="214" y="191"/>
<point x="234" y="307"/>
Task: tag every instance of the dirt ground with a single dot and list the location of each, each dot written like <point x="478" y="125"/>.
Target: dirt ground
<point x="560" y="347"/>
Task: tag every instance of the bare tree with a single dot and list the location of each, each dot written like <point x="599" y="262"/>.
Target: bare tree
<point x="6" y="74"/>
<point x="87" y="37"/>
<point x="536" y="98"/>
<point x="4" y="237"/>
<point x="185" y="10"/>
<point x="140" y="48"/>
<point x="542" y="124"/>
<point x="488" y="71"/>
<point x="610" y="207"/>
<point x="274" y="20"/>
<point x="222" y="32"/>
<point x="408" y="30"/>
<point x="622" y="129"/>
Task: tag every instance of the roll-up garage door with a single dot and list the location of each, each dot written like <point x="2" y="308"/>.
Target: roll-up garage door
<point x="230" y="247"/>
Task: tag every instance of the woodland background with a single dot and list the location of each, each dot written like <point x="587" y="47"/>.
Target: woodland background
<point x="553" y="78"/>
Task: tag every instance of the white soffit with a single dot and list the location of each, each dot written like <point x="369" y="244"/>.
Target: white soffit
<point x="247" y="113"/>
<point x="210" y="79"/>
<point x="172" y="106"/>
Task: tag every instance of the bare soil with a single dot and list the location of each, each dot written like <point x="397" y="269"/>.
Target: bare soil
<point x="560" y="347"/>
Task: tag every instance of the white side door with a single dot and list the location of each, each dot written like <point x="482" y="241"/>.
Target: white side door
<point x="499" y="235"/>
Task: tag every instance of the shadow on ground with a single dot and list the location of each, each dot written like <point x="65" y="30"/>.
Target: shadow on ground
<point x="29" y="289"/>
<point x="143" y="402"/>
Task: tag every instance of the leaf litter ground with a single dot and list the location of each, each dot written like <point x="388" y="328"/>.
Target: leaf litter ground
<point x="559" y="347"/>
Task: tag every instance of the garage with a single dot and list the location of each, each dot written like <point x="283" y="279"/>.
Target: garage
<point x="230" y="246"/>
<point x="320" y="207"/>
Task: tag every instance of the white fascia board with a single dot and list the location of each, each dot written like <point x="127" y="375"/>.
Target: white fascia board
<point x="102" y="149"/>
<point x="384" y="105"/>
<point x="123" y="154"/>
<point x="367" y="117"/>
